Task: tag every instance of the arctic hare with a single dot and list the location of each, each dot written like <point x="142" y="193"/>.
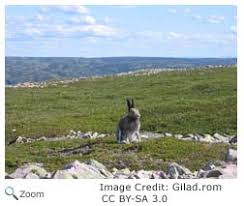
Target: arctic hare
<point x="129" y="126"/>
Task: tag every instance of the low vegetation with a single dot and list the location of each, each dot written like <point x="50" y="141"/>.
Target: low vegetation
<point x="150" y="154"/>
<point x="193" y="101"/>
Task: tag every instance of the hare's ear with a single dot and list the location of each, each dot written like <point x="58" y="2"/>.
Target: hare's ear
<point x="128" y="104"/>
<point x="132" y="103"/>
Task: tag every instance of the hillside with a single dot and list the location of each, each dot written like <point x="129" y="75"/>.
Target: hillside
<point x="180" y="102"/>
<point x="201" y="101"/>
<point x="36" y="69"/>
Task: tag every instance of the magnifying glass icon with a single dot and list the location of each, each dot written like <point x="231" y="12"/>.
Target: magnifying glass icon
<point x="10" y="192"/>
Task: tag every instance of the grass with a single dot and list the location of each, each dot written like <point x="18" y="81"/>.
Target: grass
<point x="151" y="154"/>
<point x="201" y="101"/>
<point x="196" y="101"/>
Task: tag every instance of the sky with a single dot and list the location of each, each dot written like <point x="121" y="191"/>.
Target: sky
<point x="105" y="31"/>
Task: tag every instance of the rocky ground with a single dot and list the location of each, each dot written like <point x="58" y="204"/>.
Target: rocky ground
<point x="214" y="138"/>
<point x="92" y="169"/>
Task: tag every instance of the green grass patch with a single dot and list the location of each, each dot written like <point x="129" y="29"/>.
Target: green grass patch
<point x="194" y="101"/>
<point x="150" y="154"/>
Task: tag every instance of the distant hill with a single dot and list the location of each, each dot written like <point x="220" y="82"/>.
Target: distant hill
<point x="35" y="69"/>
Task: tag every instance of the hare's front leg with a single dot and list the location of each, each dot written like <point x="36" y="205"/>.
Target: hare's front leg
<point x="138" y="136"/>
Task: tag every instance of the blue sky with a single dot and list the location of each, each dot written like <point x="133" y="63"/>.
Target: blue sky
<point x="97" y="31"/>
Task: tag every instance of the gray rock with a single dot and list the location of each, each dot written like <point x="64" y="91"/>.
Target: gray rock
<point x="101" y="135"/>
<point x="231" y="155"/>
<point x="207" y="138"/>
<point x="168" y="134"/>
<point x="142" y="174"/>
<point x="21" y="140"/>
<point x="229" y="172"/>
<point x="178" y="136"/>
<point x="31" y="176"/>
<point x="233" y="139"/>
<point x="189" y="136"/>
<point x="175" y="170"/>
<point x="151" y="135"/>
<point x="209" y="166"/>
<point x="25" y="170"/>
<point x="83" y="171"/>
<point x="220" y="138"/>
<point x="159" y="175"/>
<point x="201" y="173"/>
<point x="62" y="174"/>
<point x="94" y="135"/>
<point x="100" y="167"/>
<point x="213" y="173"/>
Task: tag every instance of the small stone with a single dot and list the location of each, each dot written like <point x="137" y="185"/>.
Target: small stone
<point x="31" y="176"/>
<point x="209" y="166"/>
<point x="101" y="135"/>
<point x="178" y="136"/>
<point x="233" y="140"/>
<point x="94" y="135"/>
<point x="189" y="136"/>
<point x="143" y="136"/>
<point x="142" y="174"/>
<point x="42" y="138"/>
<point x="168" y="134"/>
<point x="21" y="140"/>
<point x="159" y="175"/>
<point x="72" y="132"/>
<point x="207" y="138"/>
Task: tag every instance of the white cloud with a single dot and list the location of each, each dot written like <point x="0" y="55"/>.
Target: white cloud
<point x="73" y="9"/>
<point x="174" y="35"/>
<point x="215" y="19"/>
<point x="65" y="9"/>
<point x="172" y="11"/>
<point x="89" y="20"/>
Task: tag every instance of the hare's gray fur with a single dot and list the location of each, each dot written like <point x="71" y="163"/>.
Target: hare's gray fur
<point x="129" y="126"/>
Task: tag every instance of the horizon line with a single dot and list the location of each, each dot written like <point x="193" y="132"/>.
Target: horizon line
<point x="183" y="57"/>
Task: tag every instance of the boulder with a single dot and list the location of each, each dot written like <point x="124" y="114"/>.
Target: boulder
<point x="175" y="170"/>
<point x="81" y="171"/>
<point x="213" y="173"/>
<point x="29" y="170"/>
<point x="100" y="167"/>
